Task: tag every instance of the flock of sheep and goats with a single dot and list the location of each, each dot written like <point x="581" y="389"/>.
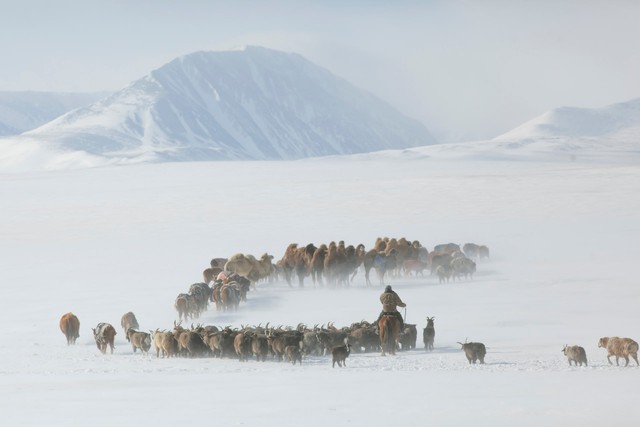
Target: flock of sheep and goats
<point x="227" y="281"/>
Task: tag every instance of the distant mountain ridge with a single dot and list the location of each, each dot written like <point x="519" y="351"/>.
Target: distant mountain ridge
<point x="616" y="121"/>
<point x="27" y="110"/>
<point x="254" y="104"/>
<point x="609" y="134"/>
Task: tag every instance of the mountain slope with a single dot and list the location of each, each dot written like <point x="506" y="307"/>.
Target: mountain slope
<point x="24" y="111"/>
<point x="607" y="135"/>
<point x="618" y="121"/>
<point x="253" y="104"/>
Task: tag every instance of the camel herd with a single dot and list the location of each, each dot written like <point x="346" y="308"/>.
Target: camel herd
<point x="336" y="264"/>
<point x="227" y="281"/>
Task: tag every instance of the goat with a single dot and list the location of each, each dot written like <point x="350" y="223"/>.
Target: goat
<point x="408" y="337"/>
<point x="429" y="334"/>
<point x="576" y="354"/>
<point x="293" y="353"/>
<point x="260" y="346"/>
<point x="139" y="340"/>
<point x="474" y="351"/>
<point x="242" y="345"/>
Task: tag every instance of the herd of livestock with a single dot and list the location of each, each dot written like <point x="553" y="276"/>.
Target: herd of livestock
<point x="227" y="282"/>
<point x="292" y="343"/>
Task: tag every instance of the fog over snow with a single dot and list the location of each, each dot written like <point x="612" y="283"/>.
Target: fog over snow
<point x="104" y="241"/>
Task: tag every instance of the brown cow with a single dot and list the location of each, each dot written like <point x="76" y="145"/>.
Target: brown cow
<point x="70" y="327"/>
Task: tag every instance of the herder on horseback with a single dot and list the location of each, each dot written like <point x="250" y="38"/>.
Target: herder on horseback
<point x="390" y="303"/>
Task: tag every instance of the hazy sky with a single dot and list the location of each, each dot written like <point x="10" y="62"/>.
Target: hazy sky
<point x="466" y="69"/>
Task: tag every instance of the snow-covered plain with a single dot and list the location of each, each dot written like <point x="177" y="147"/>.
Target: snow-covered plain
<point x="104" y="241"/>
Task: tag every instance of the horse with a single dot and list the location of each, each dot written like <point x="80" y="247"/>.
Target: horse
<point x="389" y="327"/>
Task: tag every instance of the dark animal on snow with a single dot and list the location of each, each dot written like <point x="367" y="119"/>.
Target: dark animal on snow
<point x="474" y="351"/>
<point x="242" y="345"/>
<point x="408" y="337"/>
<point x="339" y="355"/>
<point x="293" y="354"/>
<point x="429" y="334"/>
<point x="463" y="267"/>
<point x="575" y="354"/>
<point x="260" y="347"/>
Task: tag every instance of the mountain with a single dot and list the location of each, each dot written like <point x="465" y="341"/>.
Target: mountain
<point x="254" y="104"/>
<point x="24" y="111"/>
<point x="619" y="121"/>
<point x="609" y="134"/>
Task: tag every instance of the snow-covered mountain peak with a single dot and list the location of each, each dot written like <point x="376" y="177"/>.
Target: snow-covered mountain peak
<point x="250" y="104"/>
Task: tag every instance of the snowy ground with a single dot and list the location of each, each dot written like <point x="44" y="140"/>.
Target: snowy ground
<point x="101" y="242"/>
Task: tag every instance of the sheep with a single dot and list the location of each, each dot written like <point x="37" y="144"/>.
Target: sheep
<point x="340" y="354"/>
<point x="620" y="347"/>
<point x="429" y="334"/>
<point x="576" y="354"/>
<point x="474" y="351"/>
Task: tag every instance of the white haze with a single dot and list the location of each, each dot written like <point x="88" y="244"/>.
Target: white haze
<point x="104" y="241"/>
